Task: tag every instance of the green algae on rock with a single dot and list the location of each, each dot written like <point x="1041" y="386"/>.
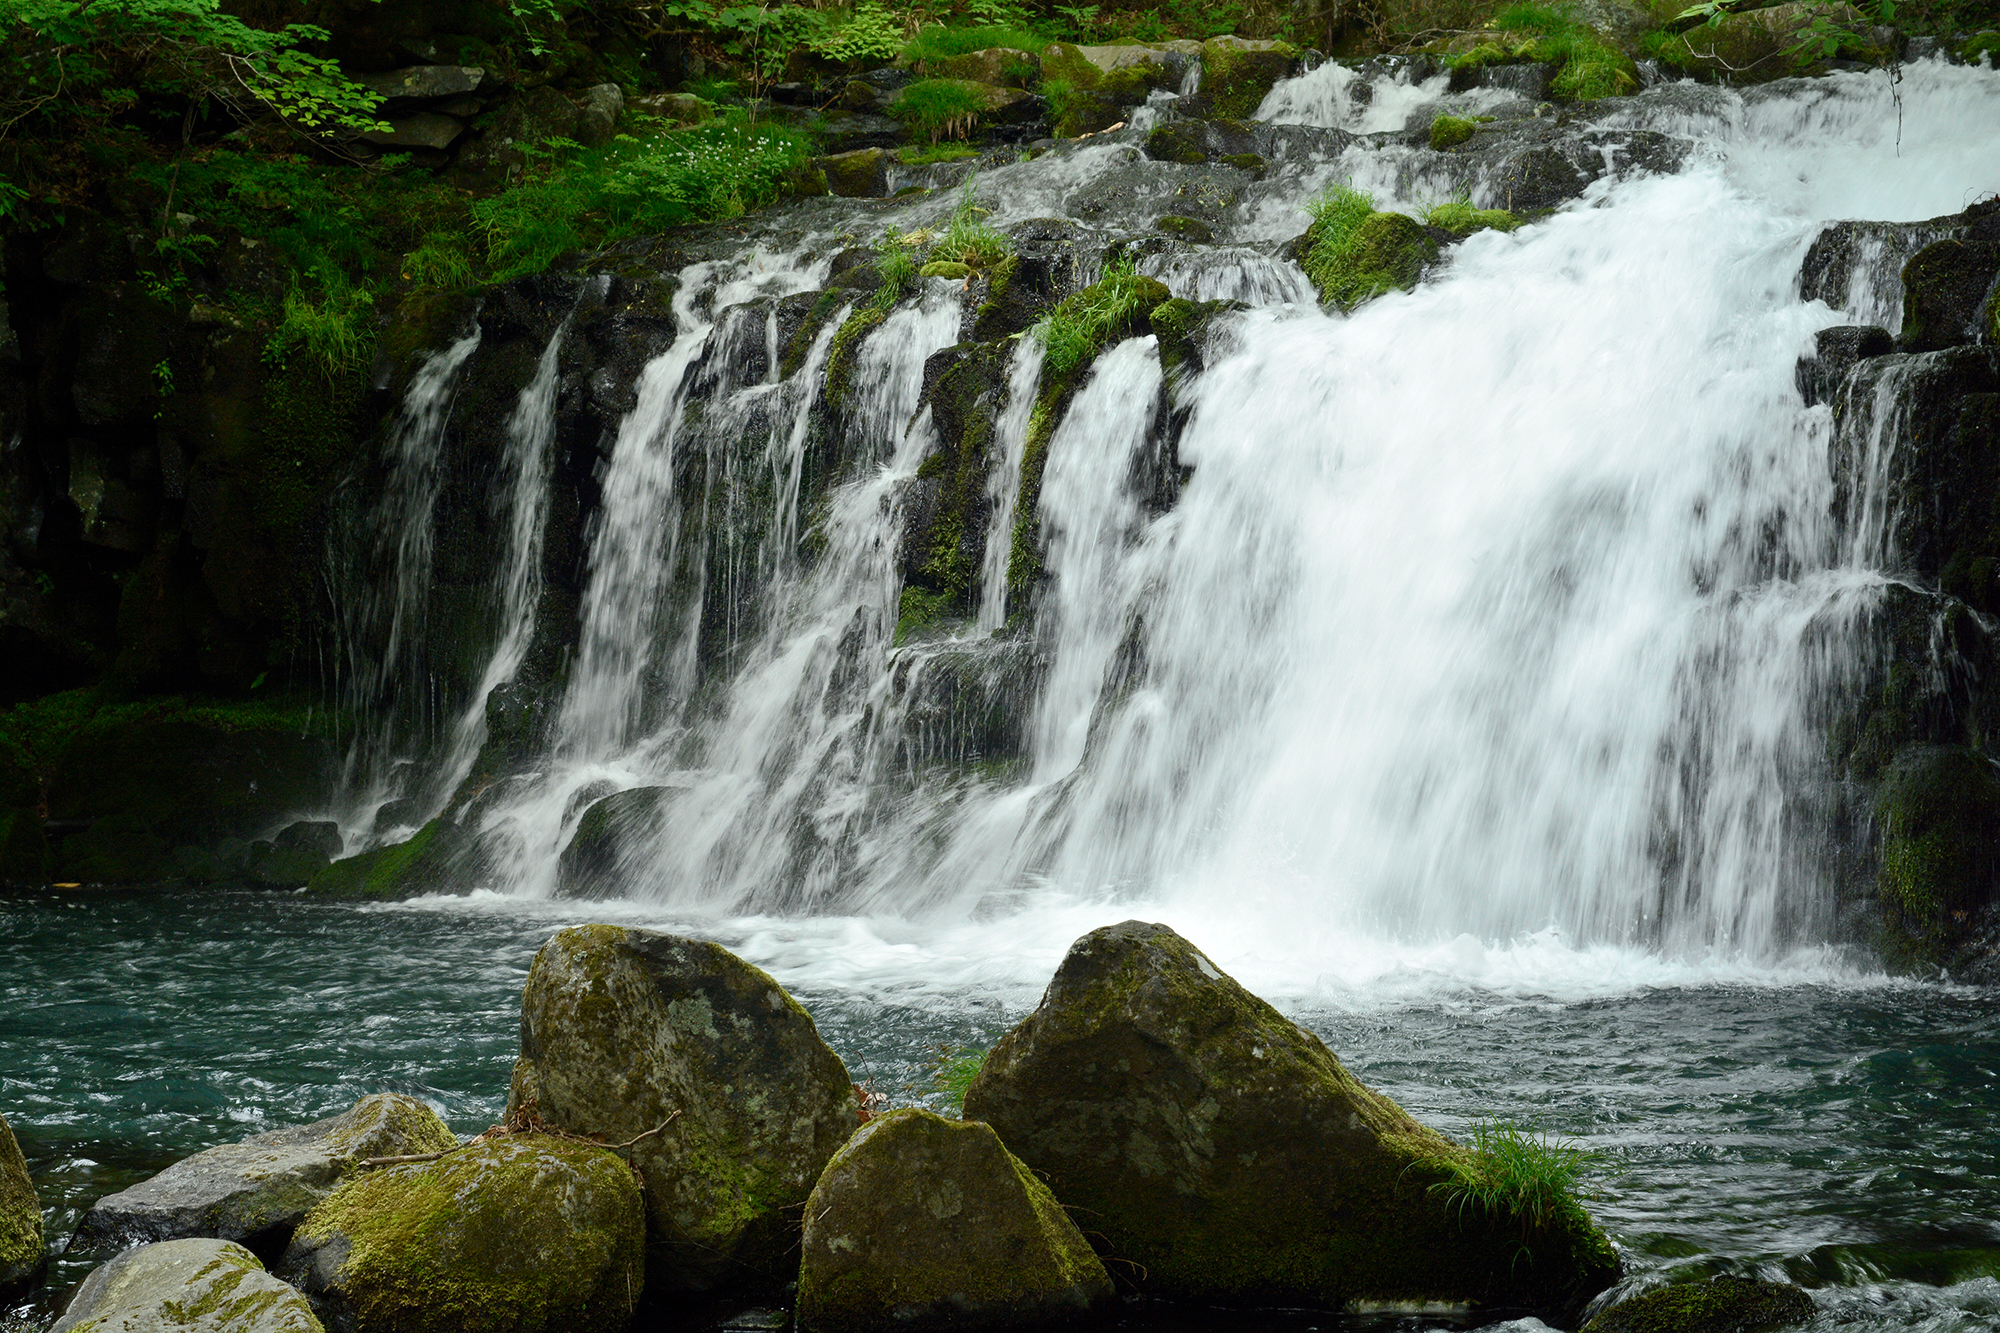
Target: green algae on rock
<point x="1939" y="810"/>
<point x="186" y="1286"/>
<point x="1237" y="73"/>
<point x="921" y="1222"/>
<point x="1353" y="253"/>
<point x="1719" y="1305"/>
<point x="255" y="1192"/>
<point x="625" y="1031"/>
<point x="525" y="1233"/>
<point x="426" y="863"/>
<point x="599" y="858"/>
<point x="1228" y="1155"/>
<point x="20" y="1217"/>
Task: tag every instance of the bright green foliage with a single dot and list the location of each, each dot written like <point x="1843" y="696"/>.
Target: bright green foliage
<point x="953" y="1072"/>
<point x="1516" y="1173"/>
<point x="1590" y="66"/>
<point x="938" y="42"/>
<point x="1460" y="218"/>
<point x="970" y="241"/>
<point x="940" y="108"/>
<point x="912" y="156"/>
<point x="869" y="35"/>
<point x="60" y="55"/>
<point x="1450" y="131"/>
<point x="1078" y="329"/>
<point x="634" y="186"/>
<point x="333" y="329"/>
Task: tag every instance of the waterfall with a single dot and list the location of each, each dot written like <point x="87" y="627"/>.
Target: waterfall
<point x="1499" y="610"/>
<point x="382" y="603"/>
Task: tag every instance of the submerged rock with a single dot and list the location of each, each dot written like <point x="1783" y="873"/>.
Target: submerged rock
<point x="1719" y="1305"/>
<point x="922" y="1222"/>
<point x="629" y="1032"/>
<point x="1228" y="1155"/>
<point x="520" y="1234"/>
<point x="186" y="1286"/>
<point x="20" y="1217"/>
<point x="257" y="1191"/>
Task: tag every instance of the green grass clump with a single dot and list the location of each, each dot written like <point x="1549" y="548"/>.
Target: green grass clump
<point x="1078" y="329"/>
<point x="940" y="108"/>
<point x="633" y="186"/>
<point x="1516" y="1173"/>
<point x="953" y="1071"/>
<point x="1590" y="66"/>
<point x="335" y="329"/>
<point x="1460" y="218"/>
<point x="1354" y="254"/>
<point x="968" y="240"/>
<point x="938" y="42"/>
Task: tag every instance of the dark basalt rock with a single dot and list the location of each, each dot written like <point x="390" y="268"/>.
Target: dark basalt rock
<point x="1948" y="295"/>
<point x="1719" y="1305"/>
<point x="923" y="1223"/>
<point x="1229" y="1156"/>
<point x="626" y="1031"/>
<point x="21" y="1256"/>
<point x="1836" y="351"/>
<point x="257" y="1191"/>
<point x="599" y="861"/>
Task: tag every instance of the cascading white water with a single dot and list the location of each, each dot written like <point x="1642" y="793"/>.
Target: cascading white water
<point x="1496" y="608"/>
<point x="382" y="634"/>
<point x="1004" y="484"/>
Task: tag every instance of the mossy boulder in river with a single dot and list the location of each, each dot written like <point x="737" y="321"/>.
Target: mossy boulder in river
<point x="20" y="1217"/>
<point x="922" y="1222"/>
<point x="1939" y="812"/>
<point x="186" y="1286"/>
<point x="257" y="1191"/>
<point x="603" y="852"/>
<point x="1720" y="1305"/>
<point x="629" y="1031"/>
<point x="1228" y="1156"/>
<point x="433" y="860"/>
<point x="525" y="1233"/>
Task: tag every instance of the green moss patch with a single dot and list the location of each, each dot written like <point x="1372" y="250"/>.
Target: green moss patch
<point x="1450" y="132"/>
<point x="1588" y="65"/>
<point x="1354" y="253"/>
<point x="1719" y="1305"/>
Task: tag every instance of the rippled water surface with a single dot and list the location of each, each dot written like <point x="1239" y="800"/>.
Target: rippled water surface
<point x="1824" y="1125"/>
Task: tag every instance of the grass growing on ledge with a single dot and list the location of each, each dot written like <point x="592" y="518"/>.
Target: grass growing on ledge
<point x="953" y="1072"/>
<point x="1517" y="1173"/>
<point x="1460" y="218"/>
<point x="939" y="42"/>
<point x="1590" y="67"/>
<point x="940" y="108"/>
<point x="912" y="156"/>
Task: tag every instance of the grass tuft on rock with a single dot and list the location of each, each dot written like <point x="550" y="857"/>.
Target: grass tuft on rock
<point x="1460" y="218"/>
<point x="940" y="108"/>
<point x="1354" y="253"/>
<point x="1590" y="66"/>
<point x="953" y="1072"/>
<point x="939" y="42"/>
<point x="1516" y="1173"/>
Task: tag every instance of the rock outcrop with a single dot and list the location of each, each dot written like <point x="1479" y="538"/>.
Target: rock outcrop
<point x="186" y="1286"/>
<point x="1719" y="1305"/>
<point x="257" y="1191"/>
<point x="922" y="1222"/>
<point x="20" y="1218"/>
<point x="1228" y="1156"/>
<point x="524" y="1233"/>
<point x="630" y="1032"/>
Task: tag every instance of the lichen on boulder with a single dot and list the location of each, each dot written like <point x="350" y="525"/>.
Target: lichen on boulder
<point x="186" y="1286"/>
<point x="921" y="1222"/>
<point x="524" y="1233"/>
<point x="1228" y="1156"/>
<point x="628" y="1031"/>
<point x="20" y="1217"/>
<point x="257" y="1191"/>
<point x="1719" y="1305"/>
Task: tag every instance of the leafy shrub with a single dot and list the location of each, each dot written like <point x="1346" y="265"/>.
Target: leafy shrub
<point x="940" y="107"/>
<point x="869" y="35"/>
<point x="633" y="186"/>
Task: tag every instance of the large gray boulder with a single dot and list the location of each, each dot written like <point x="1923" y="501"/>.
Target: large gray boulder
<point x="1229" y="1156"/>
<point x="20" y="1217"/>
<point x="257" y="1191"/>
<point x="922" y="1222"/>
<point x="628" y="1032"/>
<point x="186" y="1286"/>
<point x="524" y="1233"/>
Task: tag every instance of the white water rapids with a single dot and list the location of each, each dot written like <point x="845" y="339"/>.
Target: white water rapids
<point x="1479" y="643"/>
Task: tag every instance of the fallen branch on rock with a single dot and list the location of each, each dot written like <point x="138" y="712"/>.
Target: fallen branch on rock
<point x="535" y="1126"/>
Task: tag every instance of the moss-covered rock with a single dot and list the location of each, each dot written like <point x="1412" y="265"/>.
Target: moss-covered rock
<point x="432" y="861"/>
<point x="1237" y="73"/>
<point x="921" y="1222"/>
<point x="1938" y="808"/>
<point x="1451" y="131"/>
<point x="1001" y="66"/>
<point x="20" y="1217"/>
<point x="524" y="1233"/>
<point x="257" y="1191"/>
<point x="1719" y="1305"/>
<point x="1384" y="252"/>
<point x="1186" y="229"/>
<point x="860" y="174"/>
<point x="600" y="858"/>
<point x="1122" y="74"/>
<point x="1948" y="290"/>
<point x="626" y="1031"/>
<point x="1229" y="1157"/>
<point x="186" y="1286"/>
